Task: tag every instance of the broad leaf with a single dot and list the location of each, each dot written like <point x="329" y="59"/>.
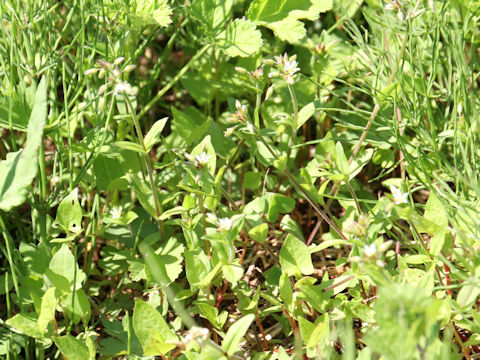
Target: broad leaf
<point x="106" y="170"/>
<point x="190" y="124"/>
<point x="197" y="267"/>
<point x="295" y="257"/>
<point x="20" y="168"/>
<point x="213" y="14"/>
<point x="47" y="311"/>
<point x="25" y="324"/>
<point x="69" y="213"/>
<point x="241" y="38"/>
<point x="153" y="135"/>
<point x="63" y="264"/>
<point x="278" y="204"/>
<point x="235" y="334"/>
<point x="259" y="233"/>
<point x="150" y="12"/>
<point x="283" y="16"/>
<point x="71" y="348"/>
<point x="78" y="309"/>
<point x="152" y="330"/>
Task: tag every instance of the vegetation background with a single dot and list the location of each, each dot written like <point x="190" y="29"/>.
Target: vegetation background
<point x="239" y="179"/>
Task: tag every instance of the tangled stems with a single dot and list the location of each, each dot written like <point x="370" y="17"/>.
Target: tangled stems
<point x="148" y="162"/>
<point x="300" y="188"/>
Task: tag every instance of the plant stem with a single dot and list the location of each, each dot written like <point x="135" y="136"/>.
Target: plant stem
<point x="43" y="194"/>
<point x="303" y="191"/>
<point x="8" y="243"/>
<point x="148" y="163"/>
<point x="295" y="119"/>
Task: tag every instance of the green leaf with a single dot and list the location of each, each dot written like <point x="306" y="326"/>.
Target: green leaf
<point x="341" y="161"/>
<point x="128" y="145"/>
<point x="26" y="324"/>
<point x="235" y="334"/>
<point x="80" y="309"/>
<point x="259" y="233"/>
<point x="20" y="111"/>
<point x="320" y="336"/>
<point x="468" y="294"/>
<point x="213" y="14"/>
<point x="69" y="213"/>
<point x="291" y="226"/>
<point x="305" y="113"/>
<point x="314" y="294"/>
<point x="241" y="38"/>
<point x="295" y="258"/>
<point x="278" y="204"/>
<point x="197" y="267"/>
<point x="156" y="265"/>
<point x="190" y="124"/>
<point x="264" y="155"/>
<point x="106" y="170"/>
<point x="63" y="264"/>
<point x="71" y="348"/>
<point x="306" y="328"/>
<point x="153" y="135"/>
<point x="209" y="312"/>
<point x="144" y="194"/>
<point x="359" y="162"/>
<point x="152" y="330"/>
<point x="47" y="310"/>
<point x="20" y="168"/>
<point x="166" y="262"/>
<point x="252" y="180"/>
<point x="435" y="211"/>
<point x="283" y="17"/>
<point x="286" y="291"/>
<point x="151" y="12"/>
<point x="232" y="273"/>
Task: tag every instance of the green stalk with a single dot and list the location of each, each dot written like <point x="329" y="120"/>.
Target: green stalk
<point x="295" y="119"/>
<point x="148" y="162"/>
<point x="258" y="103"/>
<point x="67" y="118"/>
<point x="8" y="243"/>
<point x="43" y="194"/>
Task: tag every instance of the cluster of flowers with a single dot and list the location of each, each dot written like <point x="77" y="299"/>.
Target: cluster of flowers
<point x="114" y="73"/>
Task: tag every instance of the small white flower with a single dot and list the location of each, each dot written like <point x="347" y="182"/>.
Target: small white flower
<point x="116" y="212"/>
<point x="389" y="7"/>
<point x="398" y="196"/>
<point x="123" y="88"/>
<point x="241" y="108"/>
<point x="225" y="224"/>
<point x="370" y="250"/>
<point x="291" y="67"/>
<point x="202" y="159"/>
